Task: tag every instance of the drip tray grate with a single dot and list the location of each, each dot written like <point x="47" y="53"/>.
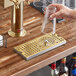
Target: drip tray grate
<point x="39" y="45"/>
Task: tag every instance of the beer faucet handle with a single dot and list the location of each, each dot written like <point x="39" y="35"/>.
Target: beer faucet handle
<point x="17" y="2"/>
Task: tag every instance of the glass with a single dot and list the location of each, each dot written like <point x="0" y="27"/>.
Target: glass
<point x="54" y="70"/>
<point x="41" y="4"/>
<point x="47" y="25"/>
<point x="59" y="20"/>
<point x="44" y="6"/>
<point x="71" y="4"/>
<point x="63" y="71"/>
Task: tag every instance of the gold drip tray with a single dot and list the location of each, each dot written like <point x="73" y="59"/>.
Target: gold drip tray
<point x="39" y="45"/>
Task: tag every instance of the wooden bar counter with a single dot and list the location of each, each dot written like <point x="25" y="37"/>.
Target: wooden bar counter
<point x="11" y="64"/>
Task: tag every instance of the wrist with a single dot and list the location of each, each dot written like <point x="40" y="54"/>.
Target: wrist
<point x="73" y="14"/>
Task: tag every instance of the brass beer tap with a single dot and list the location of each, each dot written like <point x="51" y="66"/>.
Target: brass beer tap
<point x="17" y="19"/>
<point x="16" y="2"/>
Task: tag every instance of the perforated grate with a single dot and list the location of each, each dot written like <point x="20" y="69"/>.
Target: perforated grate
<point x="39" y="45"/>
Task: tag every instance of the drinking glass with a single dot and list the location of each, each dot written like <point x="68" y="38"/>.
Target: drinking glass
<point x="45" y="5"/>
<point x="41" y="4"/>
<point x="47" y="26"/>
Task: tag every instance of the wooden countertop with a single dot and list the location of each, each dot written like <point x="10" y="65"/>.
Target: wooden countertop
<point x="11" y="64"/>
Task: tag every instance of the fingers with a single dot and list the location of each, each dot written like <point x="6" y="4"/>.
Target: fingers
<point x="55" y="15"/>
<point x="55" y="5"/>
<point x="58" y="13"/>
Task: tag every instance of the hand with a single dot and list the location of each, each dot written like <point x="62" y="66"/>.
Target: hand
<point x="63" y="12"/>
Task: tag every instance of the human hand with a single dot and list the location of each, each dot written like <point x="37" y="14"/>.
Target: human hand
<point x="63" y="12"/>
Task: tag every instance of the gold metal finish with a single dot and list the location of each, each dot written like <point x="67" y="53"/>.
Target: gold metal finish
<point x="7" y="3"/>
<point x="16" y="2"/>
<point x="13" y="34"/>
<point x="74" y="57"/>
<point x="46" y="42"/>
<point x="17" y="19"/>
<point x="37" y="46"/>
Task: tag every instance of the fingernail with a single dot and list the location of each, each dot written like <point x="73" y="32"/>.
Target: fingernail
<point x="50" y="16"/>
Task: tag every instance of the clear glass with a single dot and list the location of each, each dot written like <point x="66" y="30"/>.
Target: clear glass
<point x="45" y="5"/>
<point x="71" y="4"/>
<point x="47" y="25"/>
<point x="41" y="4"/>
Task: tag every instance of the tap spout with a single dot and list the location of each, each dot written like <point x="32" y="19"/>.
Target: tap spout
<point x="17" y="20"/>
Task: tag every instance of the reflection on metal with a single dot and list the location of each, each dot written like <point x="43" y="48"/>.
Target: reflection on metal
<point x="16" y="2"/>
<point x="37" y="46"/>
<point x="7" y="3"/>
<point x="46" y="42"/>
<point x="17" y="20"/>
<point x="13" y="34"/>
<point x="3" y="41"/>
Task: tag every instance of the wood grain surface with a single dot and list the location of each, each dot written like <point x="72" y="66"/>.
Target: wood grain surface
<point x="11" y="64"/>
